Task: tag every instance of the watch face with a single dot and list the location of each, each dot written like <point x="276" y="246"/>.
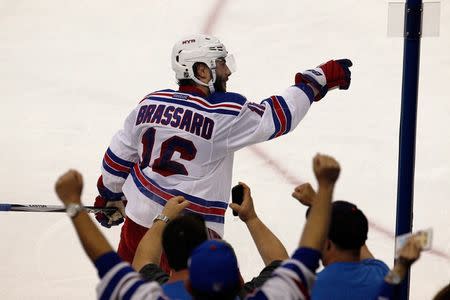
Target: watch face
<point x="73" y="210"/>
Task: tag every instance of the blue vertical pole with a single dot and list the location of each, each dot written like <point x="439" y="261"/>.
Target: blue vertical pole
<point x="408" y="122"/>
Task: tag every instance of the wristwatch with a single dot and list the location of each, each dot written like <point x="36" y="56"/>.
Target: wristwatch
<point x="73" y="209"/>
<point x="161" y="217"/>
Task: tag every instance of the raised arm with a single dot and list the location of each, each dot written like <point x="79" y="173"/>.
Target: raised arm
<point x="269" y="246"/>
<point x="150" y="247"/>
<point x="68" y="188"/>
<point x="306" y="195"/>
<point x="327" y="171"/>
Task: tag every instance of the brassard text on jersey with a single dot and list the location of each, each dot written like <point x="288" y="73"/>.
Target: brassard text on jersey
<point x="176" y="117"/>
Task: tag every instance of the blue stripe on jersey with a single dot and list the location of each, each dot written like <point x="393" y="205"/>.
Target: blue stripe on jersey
<point x="276" y="120"/>
<point x="279" y="122"/>
<point x="119" y="160"/>
<point x="105" y="262"/>
<point x="107" y="193"/>
<point x="132" y="290"/>
<point x="109" y="289"/>
<point x="287" y="112"/>
<point x="110" y="170"/>
<point x="308" y="91"/>
<point x="193" y="105"/>
<point x="162" y="201"/>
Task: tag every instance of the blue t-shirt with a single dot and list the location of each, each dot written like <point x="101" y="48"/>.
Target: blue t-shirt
<point x="176" y="290"/>
<point x="350" y="280"/>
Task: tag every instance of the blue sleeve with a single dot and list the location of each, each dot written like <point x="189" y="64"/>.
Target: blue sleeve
<point x="386" y="291"/>
<point x="309" y="257"/>
<point x="106" y="262"/>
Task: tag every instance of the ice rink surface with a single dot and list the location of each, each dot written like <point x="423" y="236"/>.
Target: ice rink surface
<point x="70" y="72"/>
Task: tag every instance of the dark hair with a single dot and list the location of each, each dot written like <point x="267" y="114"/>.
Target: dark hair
<point x="190" y="82"/>
<point x="180" y="237"/>
<point x="348" y="226"/>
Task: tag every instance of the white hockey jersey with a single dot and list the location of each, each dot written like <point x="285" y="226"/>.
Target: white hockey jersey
<point x="181" y="143"/>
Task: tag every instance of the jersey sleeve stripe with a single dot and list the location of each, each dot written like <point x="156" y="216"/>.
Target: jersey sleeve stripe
<point x="118" y="167"/>
<point x="113" y="282"/>
<point x="281" y="115"/>
<point x="118" y="160"/>
<point x="211" y="210"/>
<point x="131" y="290"/>
<point x="107" y="193"/>
<point x="114" y="172"/>
<point x="286" y="112"/>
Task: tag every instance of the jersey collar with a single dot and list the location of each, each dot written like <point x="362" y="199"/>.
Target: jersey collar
<point x="192" y="90"/>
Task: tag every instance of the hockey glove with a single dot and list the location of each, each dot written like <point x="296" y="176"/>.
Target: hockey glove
<point x="108" y="219"/>
<point x="330" y="75"/>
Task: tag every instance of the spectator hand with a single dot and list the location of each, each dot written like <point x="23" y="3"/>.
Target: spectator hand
<point x="246" y="211"/>
<point x="108" y="219"/>
<point x="326" y="169"/>
<point x="69" y="186"/>
<point x="305" y="194"/>
<point x="174" y="207"/>
<point x="330" y="75"/>
<point x="410" y="252"/>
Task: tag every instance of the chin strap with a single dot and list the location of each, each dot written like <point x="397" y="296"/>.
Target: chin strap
<point x="210" y="84"/>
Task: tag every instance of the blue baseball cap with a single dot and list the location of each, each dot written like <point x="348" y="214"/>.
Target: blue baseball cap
<point x="213" y="268"/>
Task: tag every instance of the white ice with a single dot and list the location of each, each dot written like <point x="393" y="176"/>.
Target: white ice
<point x="70" y="71"/>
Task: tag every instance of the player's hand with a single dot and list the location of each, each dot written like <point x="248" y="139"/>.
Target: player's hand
<point x="305" y="194"/>
<point x="326" y="169"/>
<point x="108" y="219"/>
<point x="330" y="75"/>
<point x="69" y="186"/>
<point x="246" y="211"/>
<point x="174" y="207"/>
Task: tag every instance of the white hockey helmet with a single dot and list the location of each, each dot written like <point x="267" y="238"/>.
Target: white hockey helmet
<point x="198" y="48"/>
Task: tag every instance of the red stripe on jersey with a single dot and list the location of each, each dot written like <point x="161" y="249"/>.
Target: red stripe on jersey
<point x="114" y="165"/>
<point x="280" y="114"/>
<point x="201" y="101"/>
<point x="166" y="196"/>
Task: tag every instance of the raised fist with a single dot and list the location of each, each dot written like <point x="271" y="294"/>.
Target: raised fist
<point x="305" y="194"/>
<point x="69" y="186"/>
<point x="326" y="169"/>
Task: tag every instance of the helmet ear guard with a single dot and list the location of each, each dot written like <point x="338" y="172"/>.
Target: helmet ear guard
<point x="197" y="49"/>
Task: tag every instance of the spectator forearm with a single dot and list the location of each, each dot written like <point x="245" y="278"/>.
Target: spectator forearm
<point x="269" y="246"/>
<point x="150" y="247"/>
<point x="317" y="223"/>
<point x="93" y="241"/>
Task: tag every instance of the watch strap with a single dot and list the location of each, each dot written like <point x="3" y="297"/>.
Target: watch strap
<point x="73" y="209"/>
<point x="161" y="217"/>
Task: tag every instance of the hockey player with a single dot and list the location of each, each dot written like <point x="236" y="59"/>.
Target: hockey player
<point x="182" y="142"/>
